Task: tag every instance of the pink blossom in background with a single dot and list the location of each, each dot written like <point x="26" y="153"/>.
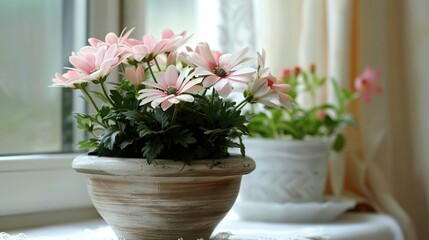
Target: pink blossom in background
<point x="367" y="83"/>
<point x="68" y="79"/>
<point x="171" y="88"/>
<point x="286" y="72"/>
<point x="262" y="93"/>
<point x="312" y="67"/>
<point x="275" y="86"/>
<point x="265" y="72"/>
<point x="135" y="75"/>
<point x="321" y="114"/>
<point x="297" y="70"/>
<point x="224" y="72"/>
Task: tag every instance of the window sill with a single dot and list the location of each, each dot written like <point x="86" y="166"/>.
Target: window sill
<point x="40" y="183"/>
<point x="349" y="226"/>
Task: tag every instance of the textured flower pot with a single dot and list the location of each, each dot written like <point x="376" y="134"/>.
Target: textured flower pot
<point x="288" y="171"/>
<point x="164" y="200"/>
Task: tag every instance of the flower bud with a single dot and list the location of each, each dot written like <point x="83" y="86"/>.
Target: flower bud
<point x="286" y="72"/>
<point x="321" y="114"/>
<point x="312" y="67"/>
<point x="297" y="70"/>
<point x="135" y="75"/>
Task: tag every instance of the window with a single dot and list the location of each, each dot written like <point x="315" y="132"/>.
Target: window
<point x="37" y="35"/>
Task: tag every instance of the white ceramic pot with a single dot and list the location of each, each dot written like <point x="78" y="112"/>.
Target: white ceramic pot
<point x="287" y="171"/>
<point x="164" y="200"/>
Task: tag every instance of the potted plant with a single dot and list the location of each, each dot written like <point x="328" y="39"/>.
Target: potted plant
<point x="158" y="165"/>
<point x="291" y="145"/>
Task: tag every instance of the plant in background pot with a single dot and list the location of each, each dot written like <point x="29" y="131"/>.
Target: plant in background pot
<point x="158" y="165"/>
<point x="291" y="146"/>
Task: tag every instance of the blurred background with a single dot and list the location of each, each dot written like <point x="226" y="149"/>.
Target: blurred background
<point x="386" y="161"/>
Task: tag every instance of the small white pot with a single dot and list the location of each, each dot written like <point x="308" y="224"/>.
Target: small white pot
<point x="286" y="170"/>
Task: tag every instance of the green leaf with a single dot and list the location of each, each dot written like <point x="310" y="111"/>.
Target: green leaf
<point x="350" y="120"/>
<point x="184" y="138"/>
<point x="214" y="131"/>
<point x="109" y="137"/>
<point x="330" y="122"/>
<point x="339" y="143"/>
<point x="127" y="142"/>
<point x="84" y="122"/>
<point x="104" y="111"/>
<point x="134" y="116"/>
<point x="145" y="131"/>
<point x="307" y="83"/>
<point x="337" y="91"/>
<point x="100" y="96"/>
<point x="242" y="147"/>
<point x="88" y="144"/>
<point x="116" y="97"/>
<point x="232" y="144"/>
<point x="161" y="117"/>
<point x="152" y="149"/>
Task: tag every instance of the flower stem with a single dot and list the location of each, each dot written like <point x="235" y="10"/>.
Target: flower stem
<point x="213" y="94"/>
<point x="151" y="72"/>
<point x="157" y="65"/>
<point x="176" y="109"/>
<point x="85" y="92"/>
<point x="242" y="103"/>
<point x="103" y="87"/>
<point x="122" y="68"/>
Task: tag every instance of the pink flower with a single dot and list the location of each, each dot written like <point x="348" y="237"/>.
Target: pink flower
<point x="274" y="86"/>
<point x="149" y="46"/>
<point x="261" y="92"/>
<point x="135" y="75"/>
<point x="223" y="72"/>
<point x="171" y="88"/>
<point x="367" y="83"/>
<point x="97" y="62"/>
<point x="111" y="38"/>
<point x="68" y="79"/>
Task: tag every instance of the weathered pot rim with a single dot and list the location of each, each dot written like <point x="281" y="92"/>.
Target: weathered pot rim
<point x="115" y="166"/>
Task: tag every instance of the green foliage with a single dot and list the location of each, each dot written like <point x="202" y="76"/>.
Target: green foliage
<point x="202" y="129"/>
<point x="297" y="122"/>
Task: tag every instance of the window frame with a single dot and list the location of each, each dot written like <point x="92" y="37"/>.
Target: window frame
<point x="36" y="183"/>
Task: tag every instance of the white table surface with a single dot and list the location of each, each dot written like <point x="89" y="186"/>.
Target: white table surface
<point x="349" y="226"/>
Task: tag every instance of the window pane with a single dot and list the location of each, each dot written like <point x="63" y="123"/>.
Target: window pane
<point x="30" y="111"/>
